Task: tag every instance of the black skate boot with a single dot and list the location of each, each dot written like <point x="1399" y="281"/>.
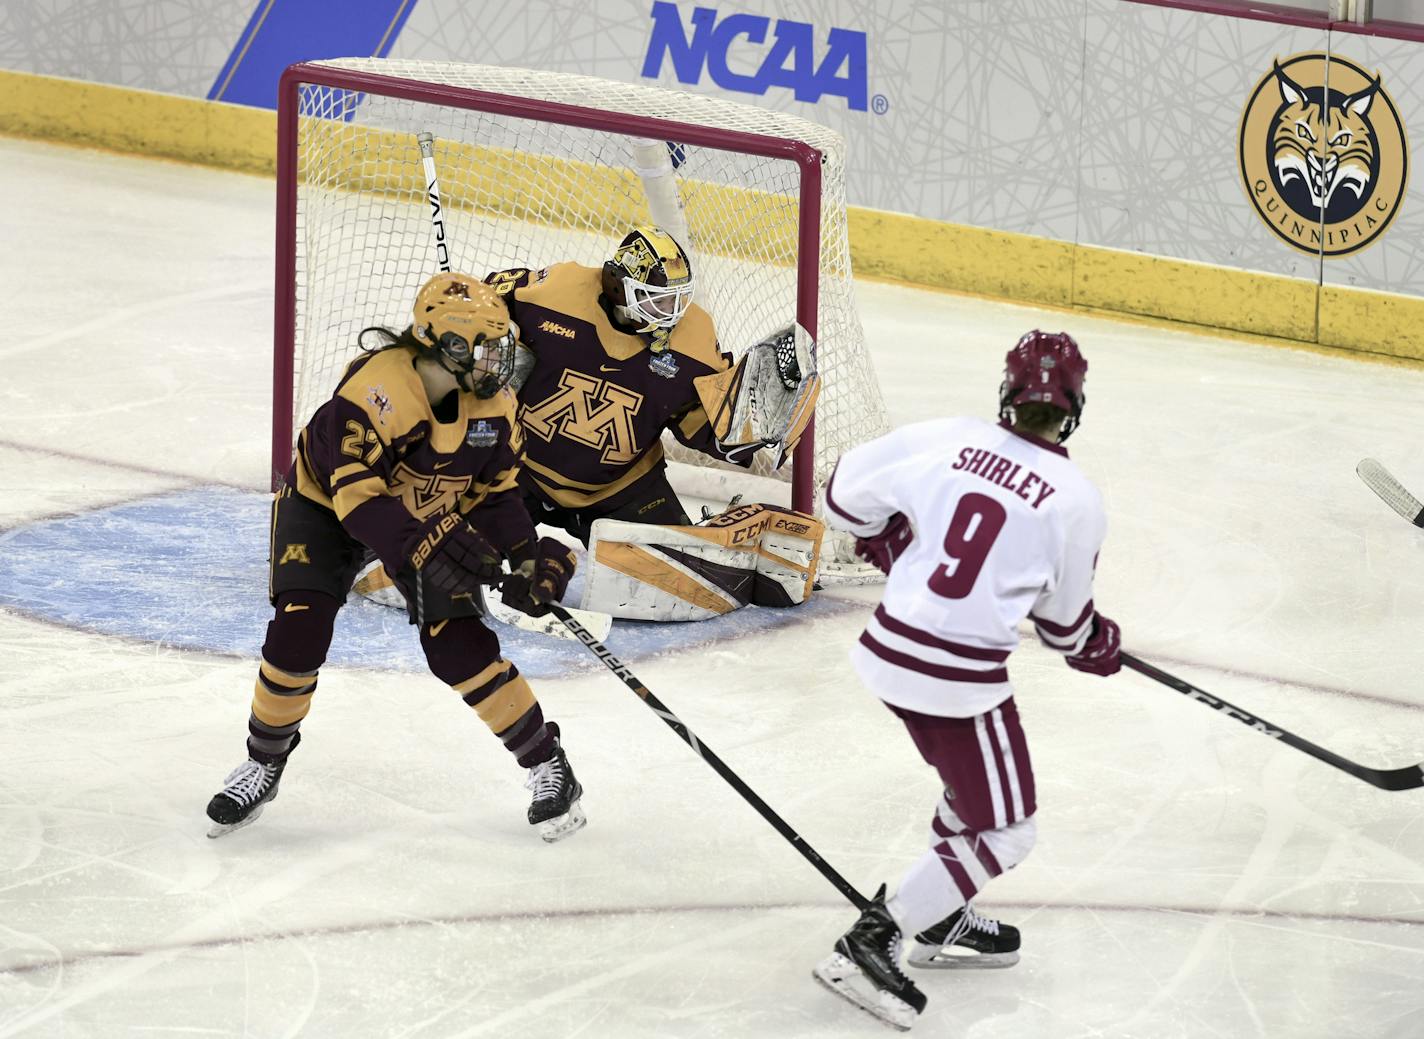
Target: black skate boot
<point x="865" y="968"/>
<point x="555" y="808"/>
<point x="245" y="791"/>
<point x="965" y="939"/>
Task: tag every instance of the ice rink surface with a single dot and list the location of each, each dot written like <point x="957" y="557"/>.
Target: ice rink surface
<point x="1191" y="879"/>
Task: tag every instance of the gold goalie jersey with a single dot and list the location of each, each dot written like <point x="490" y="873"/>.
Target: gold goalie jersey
<point x="597" y="400"/>
<point x="384" y="460"/>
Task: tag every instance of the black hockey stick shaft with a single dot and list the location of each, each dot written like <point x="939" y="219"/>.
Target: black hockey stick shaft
<point x="1409" y="778"/>
<point x="706" y="754"/>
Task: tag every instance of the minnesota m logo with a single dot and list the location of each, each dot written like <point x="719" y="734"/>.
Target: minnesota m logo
<point x="590" y="411"/>
<point x="425" y="495"/>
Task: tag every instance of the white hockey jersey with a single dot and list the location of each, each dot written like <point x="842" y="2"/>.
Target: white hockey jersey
<point x="1005" y="527"/>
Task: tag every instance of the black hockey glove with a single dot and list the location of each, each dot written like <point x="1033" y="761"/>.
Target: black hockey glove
<point x="453" y="556"/>
<point x="540" y="579"/>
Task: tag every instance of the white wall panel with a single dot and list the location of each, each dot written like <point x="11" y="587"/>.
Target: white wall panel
<point x="1109" y="123"/>
<point x="1394" y="262"/>
<point x="1164" y="91"/>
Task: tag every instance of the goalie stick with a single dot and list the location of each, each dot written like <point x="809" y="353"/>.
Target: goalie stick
<point x="704" y="752"/>
<point x="1380" y="480"/>
<point x="1409" y="778"/>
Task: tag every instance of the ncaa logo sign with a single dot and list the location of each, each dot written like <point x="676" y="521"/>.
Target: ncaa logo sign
<point x="791" y="61"/>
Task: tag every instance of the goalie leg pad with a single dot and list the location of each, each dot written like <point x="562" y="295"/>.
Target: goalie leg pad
<point x="753" y="555"/>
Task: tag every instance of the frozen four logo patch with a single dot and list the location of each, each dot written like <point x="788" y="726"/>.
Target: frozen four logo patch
<point x="482" y="434"/>
<point x="665" y="364"/>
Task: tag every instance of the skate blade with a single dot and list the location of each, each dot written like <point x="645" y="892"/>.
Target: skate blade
<point x="566" y="825"/>
<point x="222" y="829"/>
<point x="936" y="957"/>
<point x="844" y="978"/>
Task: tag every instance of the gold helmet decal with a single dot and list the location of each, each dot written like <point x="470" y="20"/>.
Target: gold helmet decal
<point x="657" y="281"/>
<point x="458" y="303"/>
<point x="1325" y="164"/>
<point x="465" y="326"/>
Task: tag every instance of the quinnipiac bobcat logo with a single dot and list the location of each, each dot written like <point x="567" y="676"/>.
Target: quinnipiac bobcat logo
<point x="1325" y="166"/>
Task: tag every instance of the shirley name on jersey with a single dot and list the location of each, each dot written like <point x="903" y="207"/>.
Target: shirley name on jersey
<point x="1004" y="472"/>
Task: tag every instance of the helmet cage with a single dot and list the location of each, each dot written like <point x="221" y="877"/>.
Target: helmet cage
<point x="656" y="306"/>
<point x="481" y="368"/>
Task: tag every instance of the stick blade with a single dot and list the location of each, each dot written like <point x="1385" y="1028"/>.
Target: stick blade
<point x="1380" y="480"/>
<point x="1411" y="778"/>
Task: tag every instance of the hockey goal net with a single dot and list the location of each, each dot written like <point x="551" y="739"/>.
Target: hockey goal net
<point x="537" y="168"/>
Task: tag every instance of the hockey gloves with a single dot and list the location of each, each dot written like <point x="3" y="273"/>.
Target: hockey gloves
<point x="884" y="548"/>
<point x="1102" y="653"/>
<point x="540" y="579"/>
<point x="453" y="556"/>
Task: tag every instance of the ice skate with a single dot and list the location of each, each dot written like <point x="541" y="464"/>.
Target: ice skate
<point x="555" y="808"/>
<point x="245" y="792"/>
<point x="965" y="940"/>
<point x="865" y="968"/>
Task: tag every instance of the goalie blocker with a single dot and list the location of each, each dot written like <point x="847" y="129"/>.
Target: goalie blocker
<point x="758" y="555"/>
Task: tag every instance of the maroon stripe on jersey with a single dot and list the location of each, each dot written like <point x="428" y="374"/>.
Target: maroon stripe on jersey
<point x="1001" y="767"/>
<point x="924" y="667"/>
<point x="924" y="638"/>
<point x="1064" y="631"/>
<point x="831" y="502"/>
<point x="957" y="872"/>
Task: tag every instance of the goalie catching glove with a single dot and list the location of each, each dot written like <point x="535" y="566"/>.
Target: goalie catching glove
<point x="540" y="578"/>
<point x="766" y="399"/>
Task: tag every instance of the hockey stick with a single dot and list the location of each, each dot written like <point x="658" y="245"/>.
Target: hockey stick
<point x="1408" y="778"/>
<point x="704" y="752"/>
<point x="601" y="622"/>
<point x="597" y="624"/>
<point x="1380" y="480"/>
<point x="432" y="195"/>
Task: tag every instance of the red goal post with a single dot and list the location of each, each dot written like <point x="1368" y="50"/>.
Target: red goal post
<point x="527" y="177"/>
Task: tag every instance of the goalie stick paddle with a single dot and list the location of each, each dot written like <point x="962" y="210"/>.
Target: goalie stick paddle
<point x="1380" y="480"/>
<point x="704" y="752"/>
<point x="1408" y="778"/>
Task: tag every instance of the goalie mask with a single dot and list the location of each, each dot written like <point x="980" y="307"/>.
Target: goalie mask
<point x="1045" y="368"/>
<point x="649" y="283"/>
<point x="464" y="325"/>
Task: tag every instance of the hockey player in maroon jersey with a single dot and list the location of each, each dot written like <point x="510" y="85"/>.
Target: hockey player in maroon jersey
<point x="610" y="358"/>
<point x="978" y="526"/>
<point x="414" y="460"/>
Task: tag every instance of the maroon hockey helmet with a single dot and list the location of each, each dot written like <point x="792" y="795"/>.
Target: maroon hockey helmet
<point x="1045" y="368"/>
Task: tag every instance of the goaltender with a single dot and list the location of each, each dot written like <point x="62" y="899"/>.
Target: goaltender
<point x="608" y="359"/>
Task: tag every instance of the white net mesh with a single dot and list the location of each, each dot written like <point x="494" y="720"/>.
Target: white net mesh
<point x="519" y="191"/>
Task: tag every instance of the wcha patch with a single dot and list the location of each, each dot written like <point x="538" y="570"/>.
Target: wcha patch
<point x="482" y="434"/>
<point x="1324" y="163"/>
